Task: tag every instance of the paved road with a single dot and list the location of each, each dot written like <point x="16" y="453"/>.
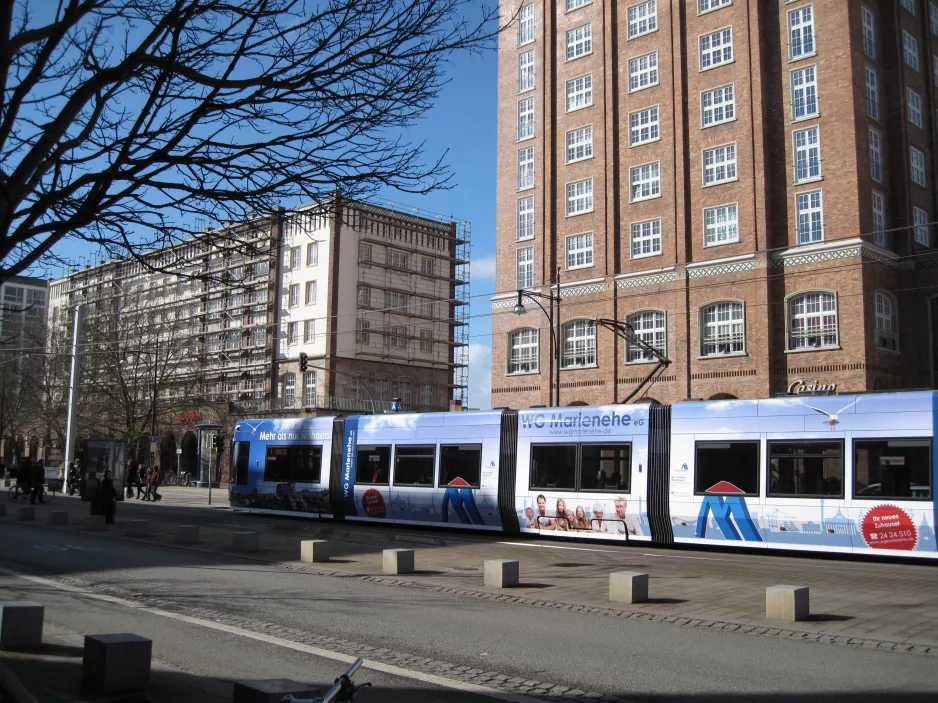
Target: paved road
<point x="505" y="646"/>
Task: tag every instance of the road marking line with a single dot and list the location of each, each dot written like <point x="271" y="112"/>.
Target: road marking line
<point x="398" y="671"/>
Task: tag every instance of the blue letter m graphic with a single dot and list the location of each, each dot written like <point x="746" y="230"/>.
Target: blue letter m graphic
<point x="723" y="508"/>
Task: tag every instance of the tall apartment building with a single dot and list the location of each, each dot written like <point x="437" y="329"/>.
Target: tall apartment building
<point x="751" y="184"/>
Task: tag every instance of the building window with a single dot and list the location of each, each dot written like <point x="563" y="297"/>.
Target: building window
<point x="526" y="218"/>
<point x="397" y="259"/>
<point x="707" y="5"/>
<point x="579" y="197"/>
<point x="289" y="389"/>
<point x="525" y="277"/>
<point x="646" y="238"/>
<point x="913" y="103"/>
<point x="579" y="250"/>
<point x="526" y="118"/>
<point x="426" y="266"/>
<point x="396" y="301"/>
<point x="522" y="356"/>
<point x="309" y="331"/>
<point x="363" y="327"/>
<point x="812" y="321"/>
<point x="364" y="253"/>
<point x="426" y="341"/>
<point x="643" y="71"/>
<point x="425" y="308"/>
<point x="364" y="296"/>
<point x="910" y="50"/>
<point x="723" y="329"/>
<point x="876" y="156"/>
<point x="382" y="392"/>
<point x="643" y="18"/>
<point x="804" y="93"/>
<point x="810" y="217"/>
<point x="294" y="296"/>
<point x="526" y="168"/>
<point x="921" y="226"/>
<point x="807" y="154"/>
<point x="869" y="33"/>
<point x="579" y="41"/>
<point x="879" y="218"/>
<point x="887" y="328"/>
<point x="716" y="48"/>
<point x="908" y="6"/>
<point x="649" y="326"/>
<point x="917" y="164"/>
<point x="580" y="144"/>
<point x="721" y="224"/>
<point x="579" y="92"/>
<point x="645" y="181"/>
<point x="426" y="395"/>
<point x="719" y="164"/>
<point x="812" y="468"/>
<point x="526" y="71"/>
<point x="579" y="344"/>
<point x="643" y="126"/>
<point x="309" y="389"/>
<point x="718" y="106"/>
<point x="311" y="292"/>
<point x="801" y="32"/>
<point x="574" y="4"/>
<point x="294" y="258"/>
<point x="312" y="254"/>
<point x="526" y="24"/>
<point x="292" y="332"/>
<point x="397" y="337"/>
<point x="872" y="94"/>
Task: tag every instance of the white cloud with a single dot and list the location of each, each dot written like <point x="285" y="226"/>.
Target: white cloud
<point x="482" y="267"/>
<point x="480" y="376"/>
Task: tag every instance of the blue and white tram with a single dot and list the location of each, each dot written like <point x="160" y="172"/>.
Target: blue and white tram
<point x="853" y="474"/>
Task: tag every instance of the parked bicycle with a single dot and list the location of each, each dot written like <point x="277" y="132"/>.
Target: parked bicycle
<point x="343" y="690"/>
<point x="20" y="494"/>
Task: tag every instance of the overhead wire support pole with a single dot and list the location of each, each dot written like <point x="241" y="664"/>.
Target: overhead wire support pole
<point x="625" y="330"/>
<point x="553" y="315"/>
<point x="71" y="427"/>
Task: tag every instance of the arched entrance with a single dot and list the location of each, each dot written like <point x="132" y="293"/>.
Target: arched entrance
<point x="188" y="460"/>
<point x="168" y="461"/>
<point x="722" y="396"/>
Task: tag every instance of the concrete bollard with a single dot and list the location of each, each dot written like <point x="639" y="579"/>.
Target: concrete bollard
<point x="270" y="691"/>
<point x="137" y="528"/>
<point x="21" y="624"/>
<point x="116" y="663"/>
<point x="786" y="603"/>
<point x="628" y="587"/>
<point x="314" y="550"/>
<point x="27" y="512"/>
<point x="58" y="517"/>
<point x="186" y="534"/>
<point x="398" y="561"/>
<point x="501" y="573"/>
<point x="95" y="523"/>
<point x="245" y="541"/>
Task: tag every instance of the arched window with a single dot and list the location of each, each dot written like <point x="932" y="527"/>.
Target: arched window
<point x="579" y="344"/>
<point x="522" y="351"/>
<point x="289" y="390"/>
<point x="649" y="326"/>
<point x="722" y="329"/>
<point x="812" y="321"/>
<point x="887" y="327"/>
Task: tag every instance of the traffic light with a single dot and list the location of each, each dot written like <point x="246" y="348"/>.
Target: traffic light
<point x="304" y="361"/>
<point x="218" y="443"/>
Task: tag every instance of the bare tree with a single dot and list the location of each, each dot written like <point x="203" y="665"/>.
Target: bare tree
<point x="130" y="124"/>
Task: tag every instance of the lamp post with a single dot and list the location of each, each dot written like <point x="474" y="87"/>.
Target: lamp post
<point x="552" y="320"/>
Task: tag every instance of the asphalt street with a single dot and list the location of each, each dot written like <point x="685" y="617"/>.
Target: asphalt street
<point x="228" y="601"/>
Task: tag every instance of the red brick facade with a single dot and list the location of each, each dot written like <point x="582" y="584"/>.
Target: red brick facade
<point x="799" y="280"/>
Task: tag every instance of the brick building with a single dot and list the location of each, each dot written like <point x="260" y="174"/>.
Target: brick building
<point x="752" y="185"/>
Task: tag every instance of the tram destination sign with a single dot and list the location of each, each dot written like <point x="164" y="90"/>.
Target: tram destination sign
<point x="802" y="387"/>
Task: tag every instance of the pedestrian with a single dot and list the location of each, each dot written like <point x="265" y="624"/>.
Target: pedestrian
<point x="143" y="487"/>
<point x="130" y="477"/>
<point x="107" y="498"/>
<point x="155" y="483"/>
<point x="38" y="476"/>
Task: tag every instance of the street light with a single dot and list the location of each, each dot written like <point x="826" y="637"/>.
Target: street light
<point x="536" y="298"/>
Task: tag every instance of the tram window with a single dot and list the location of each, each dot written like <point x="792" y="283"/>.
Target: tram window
<point x="242" y="467"/>
<point x="605" y="467"/>
<point x="413" y="466"/>
<point x="892" y="468"/>
<point x="372" y="465"/>
<point x="553" y="466"/>
<point x="812" y="468"/>
<point x="461" y="463"/>
<point x="293" y="464"/>
<point x="727" y="467"/>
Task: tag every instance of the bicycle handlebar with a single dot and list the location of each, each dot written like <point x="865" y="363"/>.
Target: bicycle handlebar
<point x="343" y="685"/>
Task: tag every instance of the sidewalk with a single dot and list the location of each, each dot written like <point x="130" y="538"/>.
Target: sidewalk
<point x="874" y="602"/>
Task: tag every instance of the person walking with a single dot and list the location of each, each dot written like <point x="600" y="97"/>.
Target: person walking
<point x="155" y="483"/>
<point x="107" y="496"/>
<point x="130" y="477"/>
<point x="143" y="483"/>
<point x="37" y="475"/>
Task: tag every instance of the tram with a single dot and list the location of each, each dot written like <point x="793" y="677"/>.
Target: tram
<point x="840" y="473"/>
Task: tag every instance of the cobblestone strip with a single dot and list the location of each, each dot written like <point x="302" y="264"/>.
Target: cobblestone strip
<point x="480" y="677"/>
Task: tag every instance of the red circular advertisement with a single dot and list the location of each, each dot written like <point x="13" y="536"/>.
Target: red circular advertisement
<point x="889" y="527"/>
<point x="373" y="504"/>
